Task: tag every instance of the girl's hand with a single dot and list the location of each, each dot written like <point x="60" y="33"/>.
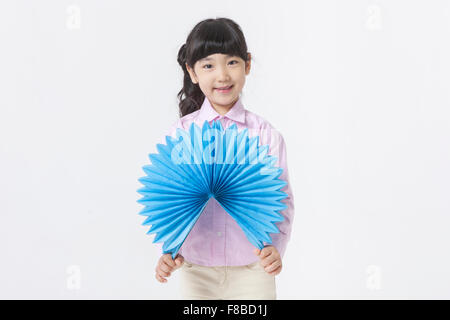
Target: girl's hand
<point x="270" y="259"/>
<point x="166" y="265"/>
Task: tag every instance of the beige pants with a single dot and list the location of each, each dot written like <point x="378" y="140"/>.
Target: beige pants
<point x="248" y="282"/>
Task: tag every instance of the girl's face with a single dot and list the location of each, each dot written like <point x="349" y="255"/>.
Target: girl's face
<point x="220" y="70"/>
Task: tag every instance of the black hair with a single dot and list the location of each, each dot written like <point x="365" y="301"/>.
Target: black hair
<point x="220" y="35"/>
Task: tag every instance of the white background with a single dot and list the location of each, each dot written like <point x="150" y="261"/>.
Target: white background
<point x="360" y="91"/>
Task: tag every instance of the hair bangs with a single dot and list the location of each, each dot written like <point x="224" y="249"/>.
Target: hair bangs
<point x="215" y="38"/>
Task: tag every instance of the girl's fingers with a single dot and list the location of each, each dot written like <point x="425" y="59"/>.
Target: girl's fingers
<point x="265" y="252"/>
<point x="167" y="258"/>
<point x="166" y="265"/>
<point x="164" y="273"/>
<point x="179" y="261"/>
<point x="273" y="266"/>
<point x="268" y="261"/>
<point x="163" y="266"/>
<point x="160" y="279"/>
<point x="276" y="271"/>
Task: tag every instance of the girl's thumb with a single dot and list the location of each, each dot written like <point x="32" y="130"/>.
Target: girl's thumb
<point x="256" y="251"/>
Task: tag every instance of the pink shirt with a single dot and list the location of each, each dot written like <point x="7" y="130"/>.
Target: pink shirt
<point x="216" y="239"/>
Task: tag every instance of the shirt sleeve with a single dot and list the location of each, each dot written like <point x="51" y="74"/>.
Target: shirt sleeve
<point x="277" y="147"/>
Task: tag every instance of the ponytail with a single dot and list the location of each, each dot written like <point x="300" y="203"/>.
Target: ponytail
<point x="193" y="96"/>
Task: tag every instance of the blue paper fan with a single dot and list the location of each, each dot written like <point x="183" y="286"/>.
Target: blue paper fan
<point x="206" y="162"/>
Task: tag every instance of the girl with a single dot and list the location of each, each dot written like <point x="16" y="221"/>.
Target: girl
<point x="217" y="261"/>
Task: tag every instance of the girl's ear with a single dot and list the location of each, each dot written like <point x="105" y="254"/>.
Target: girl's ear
<point x="191" y="74"/>
<point x="248" y="63"/>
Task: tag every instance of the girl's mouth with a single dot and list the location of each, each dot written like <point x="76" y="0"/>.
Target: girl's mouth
<point x="226" y="89"/>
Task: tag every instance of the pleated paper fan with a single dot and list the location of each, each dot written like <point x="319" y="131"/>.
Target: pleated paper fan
<point x="206" y="162"/>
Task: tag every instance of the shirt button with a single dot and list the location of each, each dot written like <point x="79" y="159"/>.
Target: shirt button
<point x="219" y="234"/>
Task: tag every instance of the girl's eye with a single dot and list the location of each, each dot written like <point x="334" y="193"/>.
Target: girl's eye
<point x="204" y="67"/>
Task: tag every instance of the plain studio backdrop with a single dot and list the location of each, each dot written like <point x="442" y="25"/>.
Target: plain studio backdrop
<point x="360" y="91"/>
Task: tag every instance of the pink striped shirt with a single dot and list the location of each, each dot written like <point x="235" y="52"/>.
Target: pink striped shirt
<point x="216" y="239"/>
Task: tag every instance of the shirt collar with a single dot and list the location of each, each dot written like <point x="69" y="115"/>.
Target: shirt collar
<point x="236" y="113"/>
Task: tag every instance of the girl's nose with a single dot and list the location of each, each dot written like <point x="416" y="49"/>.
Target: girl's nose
<point x="223" y="74"/>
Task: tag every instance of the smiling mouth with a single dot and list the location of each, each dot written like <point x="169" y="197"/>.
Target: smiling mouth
<point x="225" y="88"/>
